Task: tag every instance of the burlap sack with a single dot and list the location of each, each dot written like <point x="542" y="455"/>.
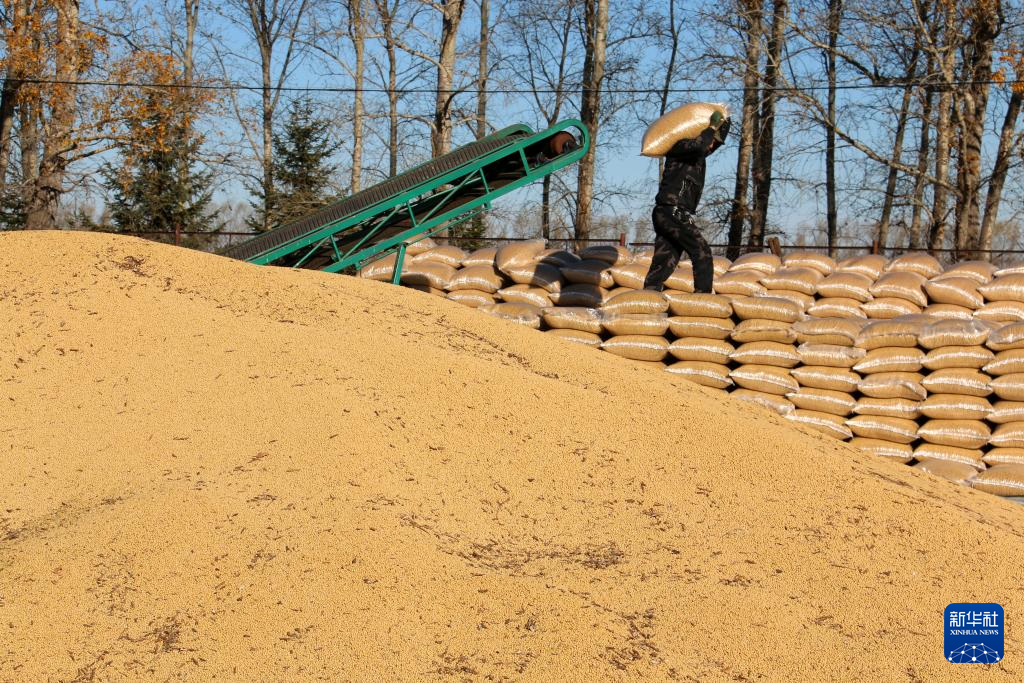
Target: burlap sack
<point x="822" y="377"/>
<point x="587" y="296"/>
<point x="823" y="401"/>
<point x="518" y="254"/>
<point x="573" y="318"/>
<point x="1004" y="288"/>
<point x="766" y="353"/>
<point x="614" y="292"/>
<point x="893" y="385"/>
<point x="1009" y="387"/>
<point x="637" y="347"/>
<point x="948" y="312"/>
<point x="1012" y="269"/>
<point x="1008" y="435"/>
<point x="589" y="272"/>
<point x="767" y="308"/>
<point x="427" y="289"/>
<point x="888" y="308"/>
<point x="974" y="357"/>
<point x="636" y="302"/>
<point x="417" y="248"/>
<point x="755" y="330"/>
<point x="888" y="407"/>
<point x="892" y="429"/>
<point x="925" y="265"/>
<point x="831" y="355"/>
<point x="767" y="378"/>
<point x="681" y="279"/>
<point x="804" y="280"/>
<point x="740" y="283"/>
<point x="1001" y="312"/>
<point x="481" y="278"/>
<point x="1007" y="337"/>
<point x="1004" y="456"/>
<point x="708" y="328"/>
<point x="895" y="332"/>
<point x="765" y="263"/>
<point x="721" y="265"/>
<point x="890" y="359"/>
<point x="711" y="375"/>
<point x="963" y="456"/>
<point x="808" y="259"/>
<point x="471" y="297"/>
<point x="682" y="123"/>
<point x="1001" y="480"/>
<point x="959" y="433"/>
<point x="870" y="265"/>
<point x="542" y="275"/>
<point x="480" y="257"/>
<point x="956" y="407"/>
<point x="843" y="285"/>
<point x="612" y="254"/>
<point x="557" y="257"/>
<point x="577" y="337"/>
<point x="698" y="305"/>
<point x="428" y="274"/>
<point x="979" y="271"/>
<point x="959" y="291"/>
<point x="836" y="331"/>
<point x="906" y="286"/>
<point x="836" y="307"/>
<point x="832" y="425"/>
<point x="898" y="452"/>
<point x="774" y="403"/>
<point x="953" y="333"/>
<point x="956" y="472"/>
<point x="1006" y="363"/>
<point x="630" y="275"/>
<point x="703" y="350"/>
<point x="380" y="270"/>
<point x="523" y="314"/>
<point x="448" y="254"/>
<point x="1006" y="411"/>
<point x="963" y="381"/>
<point x="803" y="301"/>
<point x="629" y="324"/>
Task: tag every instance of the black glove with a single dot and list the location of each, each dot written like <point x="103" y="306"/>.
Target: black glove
<point x="723" y="132"/>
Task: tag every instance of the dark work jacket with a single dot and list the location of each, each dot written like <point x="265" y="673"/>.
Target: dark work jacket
<point x="682" y="182"/>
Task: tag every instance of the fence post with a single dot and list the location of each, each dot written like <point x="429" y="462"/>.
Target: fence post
<point x="774" y="246"/>
<point x="874" y="246"/>
<point x="622" y="239"/>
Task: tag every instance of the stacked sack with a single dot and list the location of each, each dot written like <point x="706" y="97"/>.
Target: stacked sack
<point x="901" y="358"/>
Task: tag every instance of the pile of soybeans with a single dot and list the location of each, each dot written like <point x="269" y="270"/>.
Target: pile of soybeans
<point x="902" y="358"/>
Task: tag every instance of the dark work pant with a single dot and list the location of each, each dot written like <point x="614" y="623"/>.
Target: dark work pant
<point x="676" y="233"/>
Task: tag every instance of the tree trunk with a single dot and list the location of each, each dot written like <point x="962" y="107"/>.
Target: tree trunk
<point x="835" y="16"/>
<point x="479" y="226"/>
<point x="670" y="69"/>
<point x="765" y="143"/>
<point x="28" y="139"/>
<point x="943" y="129"/>
<point x="922" y="162"/>
<point x="357" y="32"/>
<point x="268" y="140"/>
<point x="739" y="214"/>
<point x="596" y="26"/>
<point x="387" y="21"/>
<point x="897" y="149"/>
<point x="441" y="135"/>
<point x="1008" y="144"/>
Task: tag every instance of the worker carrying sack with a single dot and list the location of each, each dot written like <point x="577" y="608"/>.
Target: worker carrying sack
<point x="683" y="123"/>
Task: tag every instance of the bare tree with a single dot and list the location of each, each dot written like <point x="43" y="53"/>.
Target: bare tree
<point x="764" y="143"/>
<point x="595" y="14"/>
<point x="752" y="13"/>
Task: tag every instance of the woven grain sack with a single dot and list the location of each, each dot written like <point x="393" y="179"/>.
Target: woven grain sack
<point x="767" y="378"/>
<point x="636" y="302"/>
<point x="959" y="291"/>
<point x="823" y="401"/>
<point x="956" y="472"/>
<point x="893" y="429"/>
<point x="1001" y="312"/>
<point x="1012" y="269"/>
<point x="765" y="263"/>
<point x="774" y="403"/>
<point x="646" y="324"/>
<point x="578" y="318"/>
<point x="832" y="425"/>
<point x="948" y="312"/>
<point x="518" y="254"/>
<point x="481" y="278"/>
<point x="721" y="265"/>
<point x="703" y="350"/>
<point x="681" y="279"/>
<point x="822" y="377"/>
<point x="1007" y="337"/>
<point x="925" y="265"/>
<point x="448" y="254"/>
<point x="1004" y="456"/>
<point x="979" y="271"/>
<point x="808" y="259"/>
<point x="953" y="333"/>
<point x="899" y="452"/>
<point x="906" y="286"/>
<point x="1006" y="411"/>
<point x="767" y="308"/>
<point x="612" y="254"/>
<point x="836" y="331"/>
<point x="427" y="289"/>
<point x="889" y="307"/>
<point x="740" y="283"/>
<point x="803" y="280"/>
<point x="637" y="347"/>
<point x="959" y="433"/>
<point x="1001" y="480"/>
<point x="963" y="381"/>
<point x="682" y="123"/>
<point x="587" y="296"/>
<point x="803" y="301"/>
<point x="888" y="407"/>
<point x="480" y="257"/>
<point x="956" y="407"/>
<point x="589" y="272"/>
<point x="842" y="285"/>
<point x="380" y="270"/>
<point x="973" y="357"/>
<point x="755" y="330"/>
<point x="428" y="274"/>
<point x="577" y="337"/>
<point x="694" y="326"/>
<point x="766" y="353"/>
<point x="963" y="456"/>
<point x="523" y="314"/>
<point x="557" y="257"/>
<point x="471" y="297"/>
<point x="890" y="359"/>
<point x="836" y="307"/>
<point x="1004" y="288"/>
<point x="893" y="385"/>
<point x="1009" y="387"/>
<point x="630" y="275"/>
<point x="698" y="305"/>
<point x="1006" y="363"/>
<point x="417" y="248"/>
<point x="870" y="265"/>
<point x="831" y="355"/>
<point x="895" y="332"/>
<point x="711" y="375"/>
<point x="644" y="256"/>
<point x="1008" y="435"/>
<point x="542" y="275"/>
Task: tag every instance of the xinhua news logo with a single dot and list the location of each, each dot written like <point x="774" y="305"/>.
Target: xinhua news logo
<point x="975" y="633"/>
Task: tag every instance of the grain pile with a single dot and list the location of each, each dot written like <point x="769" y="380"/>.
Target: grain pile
<point x="221" y="471"/>
<point x="899" y="357"/>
